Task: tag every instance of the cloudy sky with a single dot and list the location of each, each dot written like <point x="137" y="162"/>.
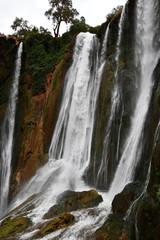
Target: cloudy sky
<point x="94" y="12"/>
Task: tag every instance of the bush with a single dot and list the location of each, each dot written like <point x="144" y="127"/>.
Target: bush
<point x="43" y="53"/>
<point x="79" y="26"/>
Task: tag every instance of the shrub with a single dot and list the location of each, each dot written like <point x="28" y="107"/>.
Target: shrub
<point x="43" y="53"/>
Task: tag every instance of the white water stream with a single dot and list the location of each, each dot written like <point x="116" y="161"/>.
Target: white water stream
<point x="115" y="100"/>
<point x="7" y="136"/>
<point x="73" y="133"/>
<point x="71" y="143"/>
<point x="147" y="58"/>
<point x="70" y="149"/>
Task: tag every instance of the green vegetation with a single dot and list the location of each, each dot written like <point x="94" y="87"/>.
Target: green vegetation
<point x="72" y="201"/>
<point x="21" y="28"/>
<point x="62" y="221"/>
<point x="113" y="13"/>
<point x="43" y="53"/>
<point x="79" y="26"/>
<point x="7" y="59"/>
<point x="60" y="11"/>
<point x="10" y="227"/>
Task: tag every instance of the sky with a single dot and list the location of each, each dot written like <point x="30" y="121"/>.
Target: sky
<point x="94" y="11"/>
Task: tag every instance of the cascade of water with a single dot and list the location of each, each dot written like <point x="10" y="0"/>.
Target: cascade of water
<point x="104" y="48"/>
<point x="118" y="51"/>
<point x="70" y="149"/>
<point x="102" y="64"/>
<point x="6" y="144"/>
<point x="73" y="133"/>
<point x="146" y="57"/>
<point x="63" y="173"/>
<point x="115" y="101"/>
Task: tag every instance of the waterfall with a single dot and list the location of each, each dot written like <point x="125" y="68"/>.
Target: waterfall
<point x="115" y="102"/>
<point x="146" y="58"/>
<point x="70" y="148"/>
<point x="104" y="49"/>
<point x="6" y="144"/>
<point x="73" y="133"/>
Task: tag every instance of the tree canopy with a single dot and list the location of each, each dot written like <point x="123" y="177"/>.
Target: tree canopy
<point x="113" y="12"/>
<point x="60" y="11"/>
<point x="21" y="28"/>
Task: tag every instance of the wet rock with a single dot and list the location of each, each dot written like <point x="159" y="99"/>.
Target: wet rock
<point x="123" y="200"/>
<point x="71" y="201"/>
<point x="114" y="228"/>
<point x="62" y="221"/>
<point x="10" y="227"/>
<point x="148" y="219"/>
<point x="23" y="208"/>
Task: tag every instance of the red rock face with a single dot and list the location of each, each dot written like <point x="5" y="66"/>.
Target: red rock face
<point x="48" y="83"/>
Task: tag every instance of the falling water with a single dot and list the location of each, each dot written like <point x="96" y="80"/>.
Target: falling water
<point x="146" y="57"/>
<point x="115" y="101"/>
<point x="73" y="133"/>
<point x="71" y="143"/>
<point x="104" y="49"/>
<point x="102" y="63"/>
<point x="6" y="144"/>
<point x="70" y="149"/>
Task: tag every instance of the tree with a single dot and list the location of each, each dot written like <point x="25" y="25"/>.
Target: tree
<point x="20" y="26"/>
<point x="79" y="25"/>
<point x="60" y="11"/>
<point x="113" y="12"/>
<point x="44" y="30"/>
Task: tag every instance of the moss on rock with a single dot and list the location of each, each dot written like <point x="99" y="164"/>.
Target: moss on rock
<point x="71" y="201"/>
<point x="11" y="227"/>
<point x="62" y="221"/>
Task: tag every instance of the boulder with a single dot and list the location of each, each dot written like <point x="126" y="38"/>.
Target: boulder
<point x="23" y="208"/>
<point x="11" y="226"/>
<point x="62" y="221"/>
<point x="123" y="200"/>
<point x="114" y="228"/>
<point x="148" y="218"/>
<point x="71" y="201"/>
